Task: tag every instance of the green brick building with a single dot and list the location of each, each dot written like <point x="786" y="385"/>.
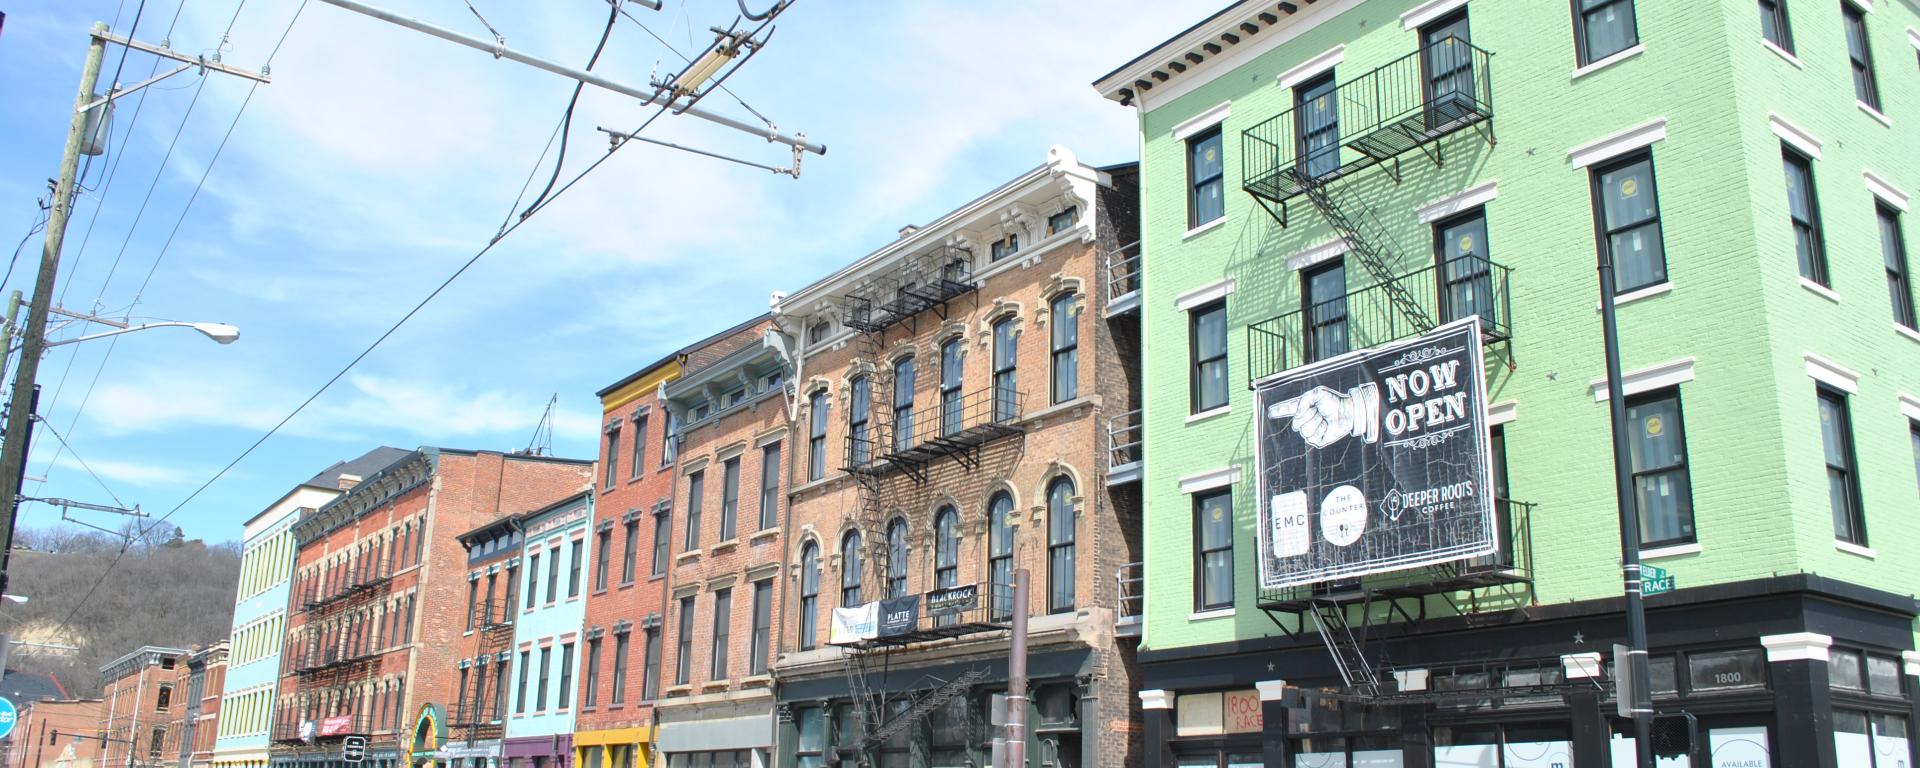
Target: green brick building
<point x="1320" y="177"/>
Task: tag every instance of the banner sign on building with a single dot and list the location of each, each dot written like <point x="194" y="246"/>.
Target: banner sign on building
<point x="1375" y="461"/>
<point x="338" y="725"/>
<point x="953" y="600"/>
<point x="853" y="625"/>
<point x="899" y="615"/>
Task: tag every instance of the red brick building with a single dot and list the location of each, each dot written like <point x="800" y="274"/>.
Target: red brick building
<point x="963" y="391"/>
<point x="477" y="702"/>
<point x="716" y="705"/>
<point x="203" y="678"/>
<point x="57" y="732"/>
<point x="375" y="614"/>
<point x="143" y="696"/>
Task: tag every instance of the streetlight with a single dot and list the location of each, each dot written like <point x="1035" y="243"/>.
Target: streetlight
<point x="219" y="332"/>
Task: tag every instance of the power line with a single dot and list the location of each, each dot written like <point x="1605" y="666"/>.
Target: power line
<point x="683" y="57"/>
<point x="81" y="461"/>
<point x="566" y="119"/>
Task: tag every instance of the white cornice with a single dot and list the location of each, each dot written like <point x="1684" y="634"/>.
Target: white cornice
<point x="1832" y="374"/>
<point x="1286" y="27"/>
<point x="1646" y="379"/>
<point x="1202" y="121"/>
<point x="1797" y="646"/>
<point x="1207" y="481"/>
<point x="1615" y="145"/>
<point x="1888" y="192"/>
<point x="1312" y="68"/>
<point x="1428" y="11"/>
<point x="1799" y="137"/>
<point x="1471" y="197"/>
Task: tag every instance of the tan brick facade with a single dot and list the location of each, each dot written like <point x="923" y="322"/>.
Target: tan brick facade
<point x="1033" y="438"/>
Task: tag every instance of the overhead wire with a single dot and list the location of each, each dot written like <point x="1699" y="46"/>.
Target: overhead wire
<point x="566" y="119"/>
<point x="683" y="57"/>
<point x="82" y="462"/>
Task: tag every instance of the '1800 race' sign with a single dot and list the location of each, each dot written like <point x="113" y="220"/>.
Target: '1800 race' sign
<point x="1375" y="461"/>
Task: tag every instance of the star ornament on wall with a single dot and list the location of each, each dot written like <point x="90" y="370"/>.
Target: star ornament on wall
<point x="1579" y="638"/>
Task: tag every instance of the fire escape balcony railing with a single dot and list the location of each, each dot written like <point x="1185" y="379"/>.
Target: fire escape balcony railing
<point x="952" y="280"/>
<point x="1367" y="317"/>
<point x="1131" y="581"/>
<point x="1510" y="566"/>
<point x="1409" y="103"/>
<point x="954" y="426"/>
<point x="1123" y="278"/>
<point x="1126" y="446"/>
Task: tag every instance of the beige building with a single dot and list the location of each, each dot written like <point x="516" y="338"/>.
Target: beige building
<point x="960" y="392"/>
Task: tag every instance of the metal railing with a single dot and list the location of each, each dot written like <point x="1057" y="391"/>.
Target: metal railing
<point x="1406" y="103"/>
<point x="1131" y="601"/>
<point x="1123" y="270"/>
<point x="1367" y="317"/>
<point x="1511" y="564"/>
<point x="1126" y="439"/>
<point x="952" y="423"/>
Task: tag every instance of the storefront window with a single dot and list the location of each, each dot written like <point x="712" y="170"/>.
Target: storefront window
<point x="947" y="735"/>
<point x="1494" y="746"/>
<point x="1883" y="676"/>
<point x="811" y="723"/>
<point x="1725" y="669"/>
<point x="1869" y="740"/>
<point x="1843" y="670"/>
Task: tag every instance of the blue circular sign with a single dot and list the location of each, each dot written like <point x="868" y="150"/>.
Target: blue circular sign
<point x="7" y="716"/>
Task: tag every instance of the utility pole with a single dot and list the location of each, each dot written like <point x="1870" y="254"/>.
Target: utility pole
<point x="13" y="452"/>
<point x="1017" y="677"/>
<point x="1638" y="677"/>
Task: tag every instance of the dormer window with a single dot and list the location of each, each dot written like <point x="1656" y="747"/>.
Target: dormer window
<point x="736" y="397"/>
<point x="1008" y="246"/>
<point x="817" y="332"/>
<point x="1063" y="220"/>
<point x="700" y="412"/>
<point x="770" y="382"/>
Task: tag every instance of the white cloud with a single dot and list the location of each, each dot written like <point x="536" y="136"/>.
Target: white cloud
<point x="137" y="473"/>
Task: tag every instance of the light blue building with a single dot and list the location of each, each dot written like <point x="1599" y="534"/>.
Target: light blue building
<point x="260" y="609"/>
<point x="547" y="642"/>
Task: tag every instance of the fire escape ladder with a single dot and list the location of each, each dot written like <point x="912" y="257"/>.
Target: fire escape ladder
<point x="1344" y="646"/>
<point x="1371" y="243"/>
<point x="926" y="704"/>
<point x="866" y="708"/>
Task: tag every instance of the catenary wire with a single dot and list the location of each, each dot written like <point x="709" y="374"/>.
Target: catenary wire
<point x="82" y="462"/>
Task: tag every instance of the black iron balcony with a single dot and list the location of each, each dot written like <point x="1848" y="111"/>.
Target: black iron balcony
<point x="1511" y="565"/>
<point x="1410" y="103"/>
<point x="321" y="729"/>
<point x="911" y="298"/>
<point x="956" y="426"/>
<point x="1126" y="447"/>
<point x="1367" y="317"/>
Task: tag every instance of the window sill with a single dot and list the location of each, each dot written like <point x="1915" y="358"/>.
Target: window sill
<point x="1636" y="50"/>
<point x="1820" y="290"/>
<point x="724" y="546"/>
<point x="1210" y="413"/>
<point x="677" y="690"/>
<point x="1783" y="53"/>
<point x="1204" y="228"/>
<point x="625" y="584"/>
<point x="1907" y="332"/>
<point x="1877" y="115"/>
<point x="1623" y="299"/>
<point x="1855" y="549"/>
<point x="759" y="681"/>
<point x="689" y="556"/>
<point x="1675" y="550"/>
<point x="768" y="534"/>
<point x="1217" y="613"/>
<point x="1056" y="408"/>
<point x="716" y="685"/>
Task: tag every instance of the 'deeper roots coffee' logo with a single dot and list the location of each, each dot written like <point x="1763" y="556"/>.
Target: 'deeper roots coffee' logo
<point x="1375" y="461"/>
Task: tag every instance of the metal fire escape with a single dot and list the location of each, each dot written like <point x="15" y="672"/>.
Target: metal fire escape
<point x="1317" y="150"/>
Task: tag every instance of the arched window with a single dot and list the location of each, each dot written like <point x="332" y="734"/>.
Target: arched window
<point x="1000" y="555"/>
<point x="809" y="594"/>
<point x="859" y="412"/>
<point x="1066" y="349"/>
<point x="952" y="372"/>
<point x="946" y="554"/>
<point x="1062" y="521"/>
<point x="903" y="404"/>
<point x="1006" y="384"/>
<point x="850" y="569"/>
<point x="897" y="558"/>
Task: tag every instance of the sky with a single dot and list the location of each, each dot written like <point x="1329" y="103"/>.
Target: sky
<point x="380" y="159"/>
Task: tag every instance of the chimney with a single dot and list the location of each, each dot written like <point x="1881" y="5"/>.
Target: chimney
<point x="908" y="230"/>
<point x="348" y="482"/>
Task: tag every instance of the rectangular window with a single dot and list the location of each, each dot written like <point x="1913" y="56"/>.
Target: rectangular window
<point x="669" y="438"/>
<point x="520" y="691"/>
<point x="602" y="558"/>
<point x="817" y="332"/>
<point x="639" y="444"/>
<point x="590" y="692"/>
<point x="769" y="486"/>
<point x="1808" y="244"/>
<point x="662" y="539"/>
<point x="1059" y="222"/>
<point x="499" y="690"/>
<point x="1004" y="247"/>
<point x="817" y="436"/>
<point x="1316" y="109"/>
<point x="565" y="699"/>
<point x="1626" y="212"/>
<point x="473" y="602"/>
<point x="613" y="455"/>
<point x="696" y="487"/>
<point x="1662" y="489"/>
<point x="722" y="626"/>
<point x="1213" y="562"/>
<point x="1893" y="250"/>
<point x="762" y="640"/>
<point x="650" y="667"/>
<point x="553" y="574"/>
<point x="1323" y="296"/>
<point x="1006" y="397"/>
<point x="859" y="407"/>
<point x="1602" y="28"/>
<point x="729" y="498"/>
<point x="1860" y="55"/>
<point x="1913" y="432"/>
<point x="683" y="648"/>
<point x="618" y="695"/>
<point x="533" y="579"/>
<point x="1843" y="483"/>
<point x="1206" y="189"/>
<point x="1066" y="348"/>
<point x="540" y="692"/>
<point x="1466" y="274"/>
<point x="952" y="373"/>
<point x="903" y="437"/>
<point x="1773" y="24"/>
<point x="1447" y="58"/>
<point x="1207" y="346"/>
<point x="630" y="551"/>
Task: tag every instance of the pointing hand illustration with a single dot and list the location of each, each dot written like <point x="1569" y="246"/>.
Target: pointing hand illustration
<point x="1323" y="416"/>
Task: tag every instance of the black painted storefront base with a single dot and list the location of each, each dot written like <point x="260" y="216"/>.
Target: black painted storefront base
<point x="1794" y="702"/>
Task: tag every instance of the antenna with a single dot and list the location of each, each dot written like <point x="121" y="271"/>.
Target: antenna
<point x="542" y="442"/>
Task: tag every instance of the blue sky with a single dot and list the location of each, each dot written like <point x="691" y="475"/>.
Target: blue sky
<point x="380" y="159"/>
